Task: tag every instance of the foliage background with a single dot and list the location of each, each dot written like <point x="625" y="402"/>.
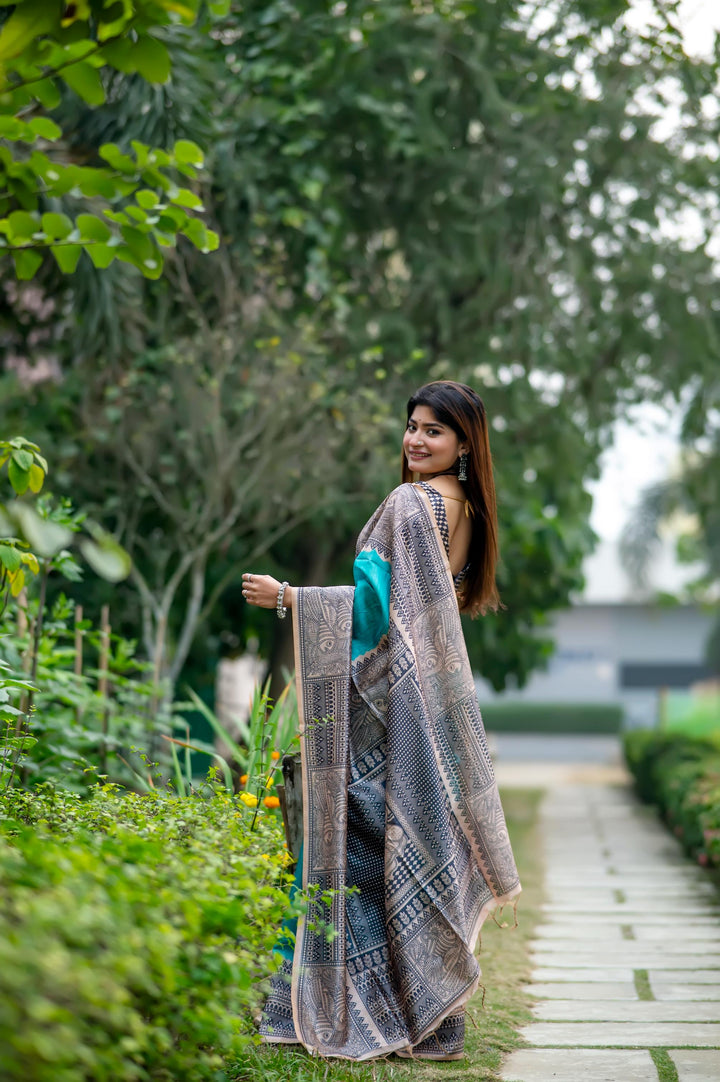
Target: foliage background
<point x="402" y="192"/>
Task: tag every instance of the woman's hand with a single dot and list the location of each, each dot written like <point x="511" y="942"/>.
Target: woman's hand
<point x="262" y="590"/>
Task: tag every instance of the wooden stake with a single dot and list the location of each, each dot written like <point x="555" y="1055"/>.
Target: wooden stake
<point x="78" y="653"/>
<point x="103" y="681"/>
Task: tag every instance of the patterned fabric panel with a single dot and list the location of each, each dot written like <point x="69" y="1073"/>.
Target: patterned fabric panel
<point x="405" y="840"/>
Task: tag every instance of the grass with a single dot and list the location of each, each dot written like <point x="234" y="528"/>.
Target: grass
<point x="666" y="1069"/>
<point x="492" y="1029"/>
<point x="642" y="984"/>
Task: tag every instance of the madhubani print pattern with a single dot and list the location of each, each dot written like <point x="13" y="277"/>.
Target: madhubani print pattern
<point x="400" y="802"/>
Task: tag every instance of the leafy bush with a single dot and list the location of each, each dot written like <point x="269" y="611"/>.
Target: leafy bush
<point x="521" y="717"/>
<point x="136" y="933"/>
<point x="681" y="775"/>
<point x="80" y="716"/>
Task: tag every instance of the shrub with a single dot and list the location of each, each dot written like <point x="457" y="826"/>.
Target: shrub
<point x="136" y="933"/>
<point x="681" y="775"/>
<point x="539" y="717"/>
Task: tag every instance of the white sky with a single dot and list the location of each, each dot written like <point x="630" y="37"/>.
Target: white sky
<point x="646" y="447"/>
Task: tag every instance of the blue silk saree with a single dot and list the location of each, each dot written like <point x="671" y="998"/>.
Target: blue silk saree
<point x="399" y="802"/>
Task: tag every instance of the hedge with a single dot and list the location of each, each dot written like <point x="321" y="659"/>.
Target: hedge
<point x="538" y="717"/>
<point x="136" y="934"/>
<point x="681" y="775"/>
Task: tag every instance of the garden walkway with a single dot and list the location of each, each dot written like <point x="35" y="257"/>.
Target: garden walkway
<point x="627" y="959"/>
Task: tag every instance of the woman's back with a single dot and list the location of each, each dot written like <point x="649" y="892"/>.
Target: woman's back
<point x="458" y="520"/>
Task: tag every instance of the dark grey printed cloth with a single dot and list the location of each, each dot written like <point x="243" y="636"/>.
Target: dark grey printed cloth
<point x="400" y="802"/>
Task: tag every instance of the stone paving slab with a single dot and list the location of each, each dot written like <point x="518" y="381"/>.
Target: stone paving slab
<point x="623" y="1034"/>
<point x="584" y="931"/>
<point x="601" y="1010"/>
<point x="696" y="1064"/>
<point x="597" y="974"/>
<point x="579" y="1065"/>
<point x="623" y="990"/>
<point x="638" y="957"/>
<point x="578" y="933"/>
<point x="613" y="917"/>
<point x="685" y="976"/>
<point x="641" y="876"/>
<point x="604" y="909"/>
<point x="664" y="934"/>
<point x="669" y="990"/>
<point x="585" y="882"/>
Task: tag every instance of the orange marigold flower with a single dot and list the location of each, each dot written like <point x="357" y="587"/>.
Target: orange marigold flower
<point x="274" y="754"/>
<point x="271" y="802"/>
<point x="243" y="779"/>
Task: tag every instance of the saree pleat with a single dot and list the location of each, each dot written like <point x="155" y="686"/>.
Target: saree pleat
<point x="400" y="803"/>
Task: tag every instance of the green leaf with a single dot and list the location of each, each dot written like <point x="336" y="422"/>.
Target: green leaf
<point x="138" y="242"/>
<point x="114" y="157"/>
<point x="30" y="560"/>
<point x="11" y="127"/>
<point x="118" y="54"/>
<point x="115" y="20"/>
<point x="19" y="478"/>
<point x="93" y="228"/>
<point x="94" y="182"/>
<point x="47" y="94"/>
<point x="22" y="225"/>
<point x="212" y="241"/>
<point x="17" y="583"/>
<point x="37" y="477"/>
<point x="204" y="239"/>
<point x="151" y="60"/>
<point x="101" y="255"/>
<point x="84" y="79"/>
<point x="45" y="538"/>
<point x="57" y="226"/>
<point x="146" y="199"/>
<point x="188" y="153"/>
<point x="183" y="197"/>
<point x="27" y="261"/>
<point x="23" y="459"/>
<point x="137" y="214"/>
<point x="45" y="128"/>
<point x="24" y="25"/>
<point x="67" y="256"/>
<point x="107" y="558"/>
<point x="10" y="557"/>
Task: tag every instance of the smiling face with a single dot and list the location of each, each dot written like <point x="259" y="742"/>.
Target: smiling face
<point x="430" y="447"/>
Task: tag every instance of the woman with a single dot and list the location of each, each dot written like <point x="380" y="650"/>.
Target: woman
<point x="399" y="796"/>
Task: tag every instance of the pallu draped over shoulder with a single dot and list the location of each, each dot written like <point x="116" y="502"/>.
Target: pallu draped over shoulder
<point x="400" y="801"/>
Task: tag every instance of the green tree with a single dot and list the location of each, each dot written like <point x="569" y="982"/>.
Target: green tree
<point x="481" y="191"/>
<point x="138" y="204"/>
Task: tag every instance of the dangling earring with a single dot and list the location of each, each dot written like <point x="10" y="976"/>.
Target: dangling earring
<point x="462" y="472"/>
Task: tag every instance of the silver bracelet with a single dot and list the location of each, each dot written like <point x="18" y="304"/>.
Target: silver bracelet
<point x="279" y="607"/>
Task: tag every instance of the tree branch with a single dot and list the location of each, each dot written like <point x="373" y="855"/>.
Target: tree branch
<point x="191" y="620"/>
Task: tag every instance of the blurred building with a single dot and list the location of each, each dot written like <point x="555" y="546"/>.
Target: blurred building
<point x="618" y="645"/>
